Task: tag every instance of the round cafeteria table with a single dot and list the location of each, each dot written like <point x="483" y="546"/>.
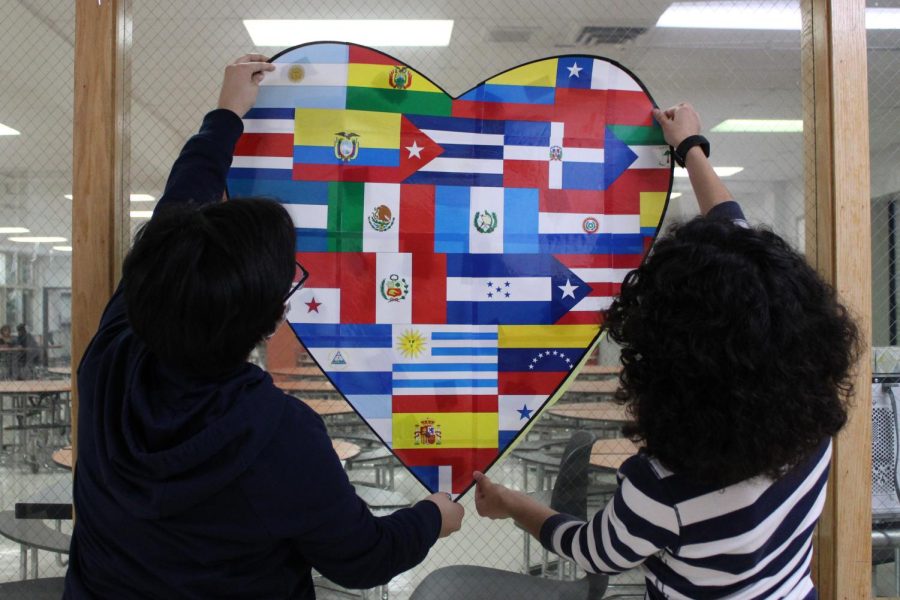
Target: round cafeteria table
<point x="604" y="412"/>
<point x="345" y="450"/>
<point x="304" y="371"/>
<point x="329" y="407"/>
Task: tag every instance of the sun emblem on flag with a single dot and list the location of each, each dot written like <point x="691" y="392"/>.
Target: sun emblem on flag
<point x="346" y="145"/>
<point x="394" y="288"/>
<point x="590" y="225"/>
<point x="485" y="221"/>
<point x="400" y="77"/>
<point x="556" y="153"/>
<point x="381" y="218"/>
<point x="411" y="343"/>
<point x="296" y="73"/>
<point x="428" y="433"/>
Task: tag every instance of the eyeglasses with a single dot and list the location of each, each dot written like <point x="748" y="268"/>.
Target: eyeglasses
<point x="301" y="274"/>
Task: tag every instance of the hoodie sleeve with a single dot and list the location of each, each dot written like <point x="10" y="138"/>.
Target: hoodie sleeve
<point x="326" y="521"/>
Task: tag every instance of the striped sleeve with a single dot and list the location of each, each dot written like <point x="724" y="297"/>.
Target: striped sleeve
<point x="638" y="522"/>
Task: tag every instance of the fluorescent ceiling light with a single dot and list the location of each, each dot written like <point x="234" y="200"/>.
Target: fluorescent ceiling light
<point x="756" y="15"/>
<point x="37" y="239"/>
<point x="720" y="171"/>
<point x="14" y="230"/>
<point x="369" y="32"/>
<point x="5" y="130"/>
<point x="759" y="126"/>
<point x="63" y="248"/>
<point x="675" y="195"/>
<point x="133" y="198"/>
<point x="141" y="214"/>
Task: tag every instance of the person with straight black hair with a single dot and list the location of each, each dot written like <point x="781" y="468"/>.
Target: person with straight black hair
<point x="196" y="476"/>
<point x="736" y="365"/>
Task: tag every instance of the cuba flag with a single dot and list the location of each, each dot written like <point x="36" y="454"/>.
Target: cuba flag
<point x="531" y="289"/>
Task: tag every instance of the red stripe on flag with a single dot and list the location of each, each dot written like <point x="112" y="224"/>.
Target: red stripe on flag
<point x="529" y="382"/>
<point x="625" y="107"/>
<point x="434" y="404"/>
<point x="356" y="274"/>
<point x="265" y="144"/>
<point x="462" y="461"/>
<point x="416" y="218"/>
<point x="352" y="272"/>
<point x="472" y="109"/>
<point x="600" y="261"/>
<point x="581" y="317"/>
<point x="623" y="197"/>
<point x="429" y="289"/>
<point x="572" y="201"/>
<point x="605" y="289"/>
<point x="369" y="57"/>
<point x="526" y="174"/>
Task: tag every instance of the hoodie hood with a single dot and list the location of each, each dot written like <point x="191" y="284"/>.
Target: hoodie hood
<point x="170" y="441"/>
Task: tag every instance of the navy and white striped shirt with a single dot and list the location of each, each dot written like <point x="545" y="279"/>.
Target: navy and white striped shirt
<point x="752" y="539"/>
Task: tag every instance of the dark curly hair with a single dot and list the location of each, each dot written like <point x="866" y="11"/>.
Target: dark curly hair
<point x="736" y="354"/>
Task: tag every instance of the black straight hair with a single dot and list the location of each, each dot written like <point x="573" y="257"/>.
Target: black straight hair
<point x="204" y="283"/>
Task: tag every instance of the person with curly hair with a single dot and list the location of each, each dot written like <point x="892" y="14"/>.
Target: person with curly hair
<point x="736" y="363"/>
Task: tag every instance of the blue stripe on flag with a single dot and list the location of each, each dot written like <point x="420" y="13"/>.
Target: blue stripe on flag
<point x="523" y="359"/>
<point x="463" y="351"/>
<point x="367" y="157"/>
<point x="457" y="124"/>
<point x="451" y="219"/>
<point x="444" y="383"/>
<point x="648" y="231"/>
<point x="270" y="113"/>
<point x="343" y="336"/>
<point x="502" y="313"/>
<point x="311" y="240"/>
<point x="313" y="96"/>
<point x="471" y="151"/>
<point x="245" y="173"/>
<point x="429" y="476"/>
<point x="527" y="133"/>
<point x="519" y="94"/>
<point x="520" y="232"/>
<point x="286" y="191"/>
<point x="455" y="179"/>
<point x="362" y="382"/>
<point x="317" y="53"/>
<point x="582" y="176"/>
<point x="504" y="437"/>
<point x="573" y="243"/>
<point x="502" y="265"/>
<point x="464" y="335"/>
<point x="372" y="406"/>
<point x="428" y="367"/>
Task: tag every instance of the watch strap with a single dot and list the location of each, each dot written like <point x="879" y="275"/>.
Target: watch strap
<point x="680" y="153"/>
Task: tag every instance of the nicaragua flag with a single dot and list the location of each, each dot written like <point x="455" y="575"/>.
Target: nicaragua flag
<point x="509" y="289"/>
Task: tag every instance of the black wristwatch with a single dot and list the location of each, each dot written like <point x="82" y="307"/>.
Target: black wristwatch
<point x="680" y="153"/>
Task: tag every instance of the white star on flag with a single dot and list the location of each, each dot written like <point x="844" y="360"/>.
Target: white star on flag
<point x="568" y="289"/>
<point x="414" y="150"/>
<point x="574" y="70"/>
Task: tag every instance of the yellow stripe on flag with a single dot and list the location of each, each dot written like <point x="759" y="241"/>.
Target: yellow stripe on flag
<point x="379" y="76"/>
<point x="541" y="73"/>
<point x="318" y="126"/>
<point x="457" y="430"/>
<point x="652" y="205"/>
<point x="546" y="336"/>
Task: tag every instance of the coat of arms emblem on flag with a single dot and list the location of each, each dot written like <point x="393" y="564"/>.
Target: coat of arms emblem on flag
<point x="460" y="250"/>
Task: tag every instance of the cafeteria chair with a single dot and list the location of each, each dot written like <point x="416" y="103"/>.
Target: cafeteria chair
<point x="26" y="526"/>
<point x="48" y="588"/>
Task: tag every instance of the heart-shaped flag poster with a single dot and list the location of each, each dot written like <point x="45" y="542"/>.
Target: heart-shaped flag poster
<point x="460" y="250"/>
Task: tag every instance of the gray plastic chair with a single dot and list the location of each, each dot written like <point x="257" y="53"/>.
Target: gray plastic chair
<point x="484" y="583"/>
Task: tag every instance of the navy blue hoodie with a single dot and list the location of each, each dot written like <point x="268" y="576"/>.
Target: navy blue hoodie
<point x="214" y="488"/>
